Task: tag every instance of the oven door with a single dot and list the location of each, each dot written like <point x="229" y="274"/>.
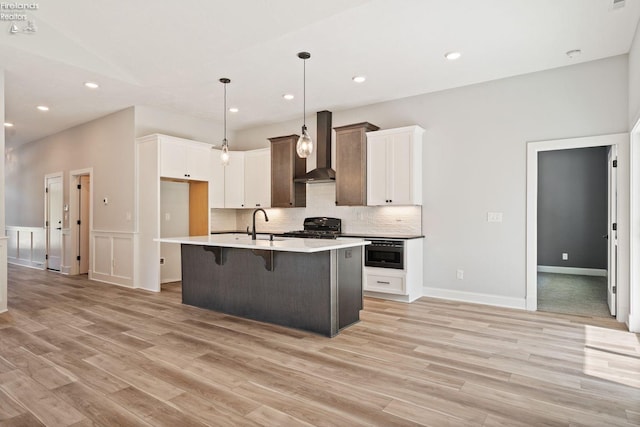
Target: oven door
<point x="384" y="254"/>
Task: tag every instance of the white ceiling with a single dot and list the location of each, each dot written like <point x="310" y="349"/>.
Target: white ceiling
<point x="170" y="54"/>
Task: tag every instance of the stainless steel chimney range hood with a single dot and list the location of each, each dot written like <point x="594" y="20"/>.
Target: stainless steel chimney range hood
<point x="323" y="171"/>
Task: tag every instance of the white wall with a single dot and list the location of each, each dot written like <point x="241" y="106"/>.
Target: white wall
<point x="151" y="120"/>
<point x="634" y="80"/>
<point x="474" y="162"/>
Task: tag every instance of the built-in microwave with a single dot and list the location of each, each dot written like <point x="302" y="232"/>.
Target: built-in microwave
<point x="384" y="254"/>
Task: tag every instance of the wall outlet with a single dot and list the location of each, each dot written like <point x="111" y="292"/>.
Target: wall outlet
<point x="460" y="274"/>
<point x="565" y="256"/>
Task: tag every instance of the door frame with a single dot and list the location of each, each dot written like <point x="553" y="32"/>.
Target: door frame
<point x="74" y="212"/>
<point x="612" y="234"/>
<point x="621" y="141"/>
<point x="634" y="212"/>
<point x="47" y="177"/>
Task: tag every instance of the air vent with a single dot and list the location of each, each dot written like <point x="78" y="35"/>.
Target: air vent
<point x="617" y="4"/>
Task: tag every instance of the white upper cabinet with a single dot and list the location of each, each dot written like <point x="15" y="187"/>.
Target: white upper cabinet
<point x="234" y="181"/>
<point x="257" y="178"/>
<point x="184" y="159"/>
<point x="394" y="166"/>
<point x="216" y="181"/>
<point x="244" y="183"/>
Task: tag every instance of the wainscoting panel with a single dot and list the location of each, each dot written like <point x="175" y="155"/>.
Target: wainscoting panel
<point x="26" y="246"/>
<point x="112" y="258"/>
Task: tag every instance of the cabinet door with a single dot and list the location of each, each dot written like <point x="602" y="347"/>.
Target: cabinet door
<point x="197" y="162"/>
<point x="281" y="174"/>
<point x="400" y="169"/>
<point x="377" y="171"/>
<point x="351" y="174"/>
<point x="234" y="181"/>
<point x="173" y="160"/>
<point x="216" y="180"/>
<point x="257" y="178"/>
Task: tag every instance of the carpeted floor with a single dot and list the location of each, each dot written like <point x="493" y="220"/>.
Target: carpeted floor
<point x="573" y="294"/>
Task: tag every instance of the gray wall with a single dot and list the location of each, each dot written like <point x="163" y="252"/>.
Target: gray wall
<point x="572" y="207"/>
<point x="474" y="162"/>
<point x="104" y="144"/>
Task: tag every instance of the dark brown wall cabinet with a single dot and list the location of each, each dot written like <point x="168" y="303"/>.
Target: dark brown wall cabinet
<point x="285" y="167"/>
<point x="351" y="163"/>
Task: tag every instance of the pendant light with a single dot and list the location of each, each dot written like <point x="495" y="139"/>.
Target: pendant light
<point x="304" y="147"/>
<point x="224" y="155"/>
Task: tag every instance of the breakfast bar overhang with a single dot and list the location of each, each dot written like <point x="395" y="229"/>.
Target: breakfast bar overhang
<point x="309" y="284"/>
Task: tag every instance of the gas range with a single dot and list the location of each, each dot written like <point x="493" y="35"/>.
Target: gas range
<point x="318" y="228"/>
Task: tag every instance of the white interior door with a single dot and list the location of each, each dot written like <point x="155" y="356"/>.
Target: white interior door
<point x="83" y="228"/>
<point x="54" y="222"/>
<point x="612" y="257"/>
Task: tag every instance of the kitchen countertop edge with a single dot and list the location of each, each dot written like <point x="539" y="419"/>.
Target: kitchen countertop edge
<point x="229" y="240"/>
<point x="348" y="235"/>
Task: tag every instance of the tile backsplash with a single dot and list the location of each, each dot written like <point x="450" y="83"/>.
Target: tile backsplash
<point x="382" y="220"/>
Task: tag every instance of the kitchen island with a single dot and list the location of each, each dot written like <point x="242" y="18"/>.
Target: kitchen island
<point x="309" y="284"/>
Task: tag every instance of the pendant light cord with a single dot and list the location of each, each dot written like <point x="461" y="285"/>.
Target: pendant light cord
<point x="304" y="93"/>
<point x="225" y="113"/>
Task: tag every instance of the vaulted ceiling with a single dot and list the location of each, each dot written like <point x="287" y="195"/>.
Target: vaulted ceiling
<point x="170" y="54"/>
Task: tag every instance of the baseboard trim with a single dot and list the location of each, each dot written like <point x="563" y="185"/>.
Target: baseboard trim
<point x="634" y="323"/>
<point x="572" y="270"/>
<point x="23" y="263"/>
<point x="390" y="297"/>
<point x="104" y="278"/>
<point x="476" y="298"/>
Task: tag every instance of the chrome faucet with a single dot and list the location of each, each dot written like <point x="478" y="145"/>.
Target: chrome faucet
<point x="266" y="218"/>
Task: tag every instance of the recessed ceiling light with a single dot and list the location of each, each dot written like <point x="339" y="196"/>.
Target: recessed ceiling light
<point x="92" y="85"/>
<point x="359" y="79"/>
<point x="42" y="108"/>
<point x="452" y="56"/>
<point x="8" y="125"/>
<point x="573" y="53"/>
<point x="233" y="110"/>
<point x="288" y="96"/>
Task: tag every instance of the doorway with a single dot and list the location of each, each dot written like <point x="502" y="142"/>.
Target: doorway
<point x="81" y="220"/>
<point x="619" y="142"/>
<point x="53" y="221"/>
<point x="573" y="213"/>
<point x="84" y="196"/>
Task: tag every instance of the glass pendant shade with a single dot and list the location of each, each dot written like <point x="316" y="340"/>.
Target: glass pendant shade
<point x="224" y="154"/>
<point x="304" y="147"/>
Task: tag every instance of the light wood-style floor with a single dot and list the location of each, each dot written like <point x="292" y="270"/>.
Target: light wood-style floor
<point x="75" y="352"/>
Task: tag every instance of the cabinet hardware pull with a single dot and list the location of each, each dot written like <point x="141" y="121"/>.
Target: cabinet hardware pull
<point x="384" y="283"/>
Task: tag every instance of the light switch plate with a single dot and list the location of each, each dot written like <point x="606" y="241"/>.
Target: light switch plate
<point x="494" y="216"/>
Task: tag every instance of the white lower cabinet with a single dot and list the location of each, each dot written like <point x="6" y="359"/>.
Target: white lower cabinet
<point x="394" y="284"/>
<point x="380" y="280"/>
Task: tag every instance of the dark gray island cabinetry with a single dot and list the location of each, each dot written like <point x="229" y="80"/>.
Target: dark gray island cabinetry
<point x="309" y="284"/>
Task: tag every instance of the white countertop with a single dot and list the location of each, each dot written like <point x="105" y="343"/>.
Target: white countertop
<point x="286" y="244"/>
